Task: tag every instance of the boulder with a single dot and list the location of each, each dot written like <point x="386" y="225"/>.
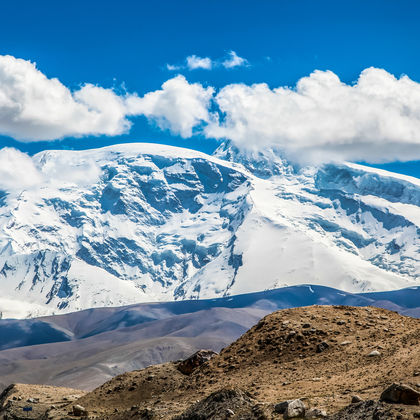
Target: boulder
<point x="291" y="408"/>
<point x="221" y="404"/>
<point x="79" y="411"/>
<point x="400" y="394"/>
<point x="189" y="365"/>
<point x="295" y="409"/>
<point x="281" y="407"/>
<point x="315" y="413"/>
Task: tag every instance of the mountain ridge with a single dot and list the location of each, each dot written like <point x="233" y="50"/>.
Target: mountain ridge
<point x="145" y="222"/>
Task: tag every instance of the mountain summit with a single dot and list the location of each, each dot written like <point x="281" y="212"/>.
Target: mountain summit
<point x="146" y="222"/>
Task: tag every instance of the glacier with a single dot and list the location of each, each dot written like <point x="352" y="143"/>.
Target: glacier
<point x="145" y="222"/>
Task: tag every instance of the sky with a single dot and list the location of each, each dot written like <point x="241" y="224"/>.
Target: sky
<point x="321" y="79"/>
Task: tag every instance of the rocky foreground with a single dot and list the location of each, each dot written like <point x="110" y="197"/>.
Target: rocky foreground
<point x="335" y="362"/>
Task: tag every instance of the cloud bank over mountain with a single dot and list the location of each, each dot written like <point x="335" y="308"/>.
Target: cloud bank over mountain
<point x="375" y="119"/>
<point x="18" y="171"/>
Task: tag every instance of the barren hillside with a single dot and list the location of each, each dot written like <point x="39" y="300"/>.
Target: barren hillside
<point x="322" y="355"/>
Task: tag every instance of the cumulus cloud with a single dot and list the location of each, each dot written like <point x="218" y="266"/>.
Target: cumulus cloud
<point x="179" y="106"/>
<point x="376" y="119"/>
<point x="34" y="107"/>
<point x="17" y="170"/>
<point x="194" y="62"/>
<point x="234" y="60"/>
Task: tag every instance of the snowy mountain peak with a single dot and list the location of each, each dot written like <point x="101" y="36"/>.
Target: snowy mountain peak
<point x="145" y="222"/>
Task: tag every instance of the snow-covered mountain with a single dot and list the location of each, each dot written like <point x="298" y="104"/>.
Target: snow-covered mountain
<point x="142" y="222"/>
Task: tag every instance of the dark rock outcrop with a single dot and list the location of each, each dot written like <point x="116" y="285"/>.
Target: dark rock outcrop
<point x="226" y="403"/>
<point x="401" y="394"/>
<point x="190" y="364"/>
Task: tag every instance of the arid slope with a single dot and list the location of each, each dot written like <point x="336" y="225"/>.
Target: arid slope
<point x="318" y="353"/>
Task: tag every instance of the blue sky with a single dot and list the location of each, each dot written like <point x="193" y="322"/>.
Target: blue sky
<point x="126" y="45"/>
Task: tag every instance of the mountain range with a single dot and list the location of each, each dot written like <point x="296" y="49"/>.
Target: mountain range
<point x="145" y="223"/>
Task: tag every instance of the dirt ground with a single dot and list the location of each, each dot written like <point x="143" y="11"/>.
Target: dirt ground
<point x="321" y="354"/>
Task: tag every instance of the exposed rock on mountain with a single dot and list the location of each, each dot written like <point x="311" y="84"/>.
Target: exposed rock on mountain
<point x="193" y="362"/>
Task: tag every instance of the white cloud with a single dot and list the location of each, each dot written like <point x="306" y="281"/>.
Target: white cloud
<point x="179" y="106"/>
<point x="234" y="60"/>
<point x="17" y="170"/>
<point x="376" y="119"/>
<point x="33" y="107"/>
<point x="194" y="62"/>
<point x="173" y="67"/>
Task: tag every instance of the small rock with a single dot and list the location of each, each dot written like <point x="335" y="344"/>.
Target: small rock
<point x="315" y="413"/>
<point x="355" y="399"/>
<point x="306" y="325"/>
<point x="345" y="343"/>
<point x="320" y="347"/>
<point x="416" y="373"/>
<point x="79" y="411"/>
<point x="295" y="408"/>
<point x="230" y="412"/>
<point x="400" y="394"/>
<point x="341" y="322"/>
<point x="374" y="353"/>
